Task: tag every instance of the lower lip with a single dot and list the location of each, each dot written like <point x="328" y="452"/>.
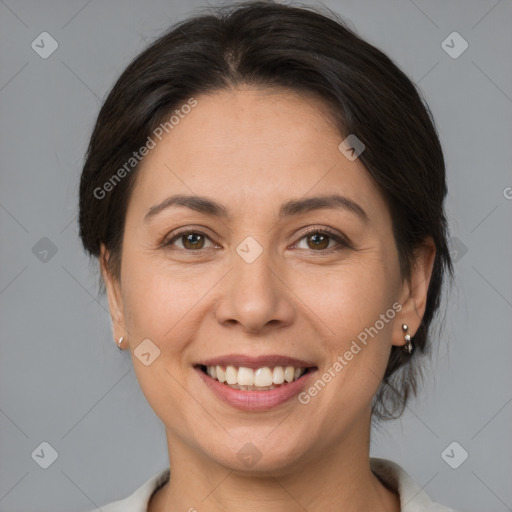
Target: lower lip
<point x="255" y="400"/>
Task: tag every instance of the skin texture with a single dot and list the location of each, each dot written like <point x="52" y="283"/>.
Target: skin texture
<point x="252" y="150"/>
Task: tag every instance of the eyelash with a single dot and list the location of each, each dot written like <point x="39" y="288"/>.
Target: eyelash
<point x="342" y="242"/>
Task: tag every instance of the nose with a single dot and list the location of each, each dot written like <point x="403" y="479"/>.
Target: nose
<point x="255" y="297"/>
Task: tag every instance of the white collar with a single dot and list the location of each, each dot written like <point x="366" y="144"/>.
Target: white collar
<point x="412" y="496"/>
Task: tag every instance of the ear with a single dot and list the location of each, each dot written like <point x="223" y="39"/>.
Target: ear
<point x="114" y="296"/>
<point x="413" y="297"/>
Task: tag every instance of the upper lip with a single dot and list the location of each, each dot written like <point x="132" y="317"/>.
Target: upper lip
<point x="270" y="360"/>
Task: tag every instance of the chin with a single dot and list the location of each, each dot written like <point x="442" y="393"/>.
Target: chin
<point x="256" y="452"/>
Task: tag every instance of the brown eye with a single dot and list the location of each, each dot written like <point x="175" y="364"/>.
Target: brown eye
<point x="193" y="241"/>
<point x="319" y="241"/>
<point x="190" y="240"/>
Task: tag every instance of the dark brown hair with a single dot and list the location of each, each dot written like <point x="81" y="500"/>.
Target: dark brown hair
<point x="299" y="49"/>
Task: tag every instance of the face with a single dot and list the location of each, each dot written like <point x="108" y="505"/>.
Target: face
<point x="262" y="275"/>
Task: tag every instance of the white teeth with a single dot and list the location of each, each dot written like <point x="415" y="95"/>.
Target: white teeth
<point x="289" y="373"/>
<point x="278" y="375"/>
<point x="245" y="376"/>
<point x="231" y="375"/>
<point x="261" y="379"/>
<point x="221" y="374"/>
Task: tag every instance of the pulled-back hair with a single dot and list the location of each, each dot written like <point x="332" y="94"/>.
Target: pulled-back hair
<point x="269" y="45"/>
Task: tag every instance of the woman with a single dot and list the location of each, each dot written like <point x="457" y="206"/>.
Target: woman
<point x="264" y="192"/>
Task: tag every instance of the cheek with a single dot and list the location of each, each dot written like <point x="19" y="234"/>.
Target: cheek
<point x="162" y="301"/>
<point x="350" y="298"/>
<point x="158" y="305"/>
<point x="355" y="308"/>
<point x="158" y="299"/>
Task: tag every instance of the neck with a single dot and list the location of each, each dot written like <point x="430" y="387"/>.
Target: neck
<point x="319" y="480"/>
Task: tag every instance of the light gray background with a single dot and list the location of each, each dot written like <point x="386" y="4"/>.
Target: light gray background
<point x="63" y="380"/>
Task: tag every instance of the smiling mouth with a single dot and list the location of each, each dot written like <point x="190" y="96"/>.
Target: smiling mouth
<point x="259" y="379"/>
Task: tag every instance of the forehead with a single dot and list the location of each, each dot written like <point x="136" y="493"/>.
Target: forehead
<point x="253" y="145"/>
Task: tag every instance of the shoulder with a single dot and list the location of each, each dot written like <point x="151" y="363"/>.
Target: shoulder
<point x="412" y="497"/>
<point x="139" y="499"/>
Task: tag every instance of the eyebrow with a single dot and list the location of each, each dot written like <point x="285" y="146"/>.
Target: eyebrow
<point x="209" y="206"/>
